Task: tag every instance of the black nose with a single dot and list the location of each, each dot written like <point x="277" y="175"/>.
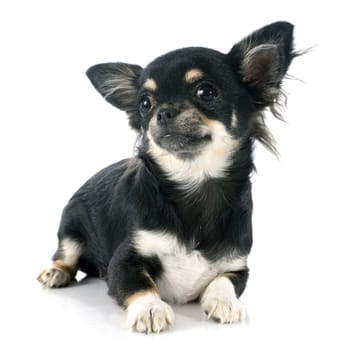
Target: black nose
<point x="167" y="113"/>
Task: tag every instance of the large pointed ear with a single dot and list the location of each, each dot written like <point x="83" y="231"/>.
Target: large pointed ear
<point x="117" y="83"/>
<point x="262" y="60"/>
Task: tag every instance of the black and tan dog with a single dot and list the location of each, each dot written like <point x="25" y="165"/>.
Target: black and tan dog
<point x="173" y="223"/>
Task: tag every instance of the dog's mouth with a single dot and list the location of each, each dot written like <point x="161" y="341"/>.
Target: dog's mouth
<point x="184" y="135"/>
<point x="182" y="144"/>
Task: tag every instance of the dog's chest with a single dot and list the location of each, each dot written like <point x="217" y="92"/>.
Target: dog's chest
<point x="184" y="276"/>
<point x="185" y="273"/>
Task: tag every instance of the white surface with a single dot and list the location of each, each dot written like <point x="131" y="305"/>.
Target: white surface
<point x="56" y="132"/>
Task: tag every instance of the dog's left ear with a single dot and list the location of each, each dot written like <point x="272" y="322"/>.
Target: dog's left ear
<point x="117" y="83"/>
<point x="262" y="60"/>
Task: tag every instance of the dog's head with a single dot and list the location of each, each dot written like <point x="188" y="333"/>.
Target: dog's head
<point x="193" y="100"/>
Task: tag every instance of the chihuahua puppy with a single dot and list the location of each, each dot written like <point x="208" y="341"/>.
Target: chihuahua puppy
<point x="173" y="224"/>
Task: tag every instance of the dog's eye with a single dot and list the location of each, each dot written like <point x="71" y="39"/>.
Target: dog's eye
<point x="206" y="92"/>
<point x="145" y="104"/>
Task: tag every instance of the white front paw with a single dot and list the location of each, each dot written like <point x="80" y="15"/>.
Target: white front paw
<point x="224" y="310"/>
<point x="149" y="314"/>
<point x="220" y="303"/>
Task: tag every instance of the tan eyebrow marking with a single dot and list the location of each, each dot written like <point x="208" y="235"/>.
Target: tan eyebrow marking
<point x="193" y="75"/>
<point x="150" y="84"/>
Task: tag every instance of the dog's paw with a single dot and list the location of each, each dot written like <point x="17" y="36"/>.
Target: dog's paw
<point x="224" y="310"/>
<point x="149" y="314"/>
<point x="220" y="303"/>
<point x="54" y="277"/>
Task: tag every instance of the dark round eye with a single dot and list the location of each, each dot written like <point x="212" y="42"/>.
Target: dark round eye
<point x="145" y="104"/>
<point x="206" y="92"/>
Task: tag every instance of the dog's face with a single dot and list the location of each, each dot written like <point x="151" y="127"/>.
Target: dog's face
<point x="187" y="101"/>
<point x="194" y="99"/>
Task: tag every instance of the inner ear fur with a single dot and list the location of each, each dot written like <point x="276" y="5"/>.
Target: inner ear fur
<point x="260" y="65"/>
<point x="117" y="83"/>
<point x="262" y="59"/>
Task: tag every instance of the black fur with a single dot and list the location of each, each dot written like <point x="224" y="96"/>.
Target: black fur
<point x="137" y="194"/>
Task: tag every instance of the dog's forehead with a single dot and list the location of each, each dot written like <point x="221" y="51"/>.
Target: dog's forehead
<point x="184" y="66"/>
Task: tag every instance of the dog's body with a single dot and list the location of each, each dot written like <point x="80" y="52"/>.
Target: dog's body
<point x="174" y="222"/>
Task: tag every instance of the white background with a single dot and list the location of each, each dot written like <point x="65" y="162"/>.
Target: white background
<point x="56" y="131"/>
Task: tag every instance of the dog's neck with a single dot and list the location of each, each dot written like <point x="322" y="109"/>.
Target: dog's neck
<point x="226" y="164"/>
<point x="213" y="162"/>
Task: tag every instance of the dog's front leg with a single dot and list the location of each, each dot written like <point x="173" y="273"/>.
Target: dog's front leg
<point x="131" y="283"/>
<point x="220" y="299"/>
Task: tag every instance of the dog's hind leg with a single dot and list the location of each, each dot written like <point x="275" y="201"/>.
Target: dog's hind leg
<point x="64" y="267"/>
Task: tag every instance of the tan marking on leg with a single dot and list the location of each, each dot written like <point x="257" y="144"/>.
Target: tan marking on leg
<point x="154" y="286"/>
<point x="226" y="274"/>
<point x="150" y="84"/>
<point x="193" y="75"/>
<point x="153" y="290"/>
<point x="71" y="270"/>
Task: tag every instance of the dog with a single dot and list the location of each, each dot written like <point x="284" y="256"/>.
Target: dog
<point x="173" y="224"/>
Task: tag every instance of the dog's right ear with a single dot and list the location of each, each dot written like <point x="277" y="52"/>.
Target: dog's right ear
<point x="117" y="83"/>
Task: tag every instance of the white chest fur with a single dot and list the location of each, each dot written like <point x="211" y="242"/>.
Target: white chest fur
<point x="185" y="273"/>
